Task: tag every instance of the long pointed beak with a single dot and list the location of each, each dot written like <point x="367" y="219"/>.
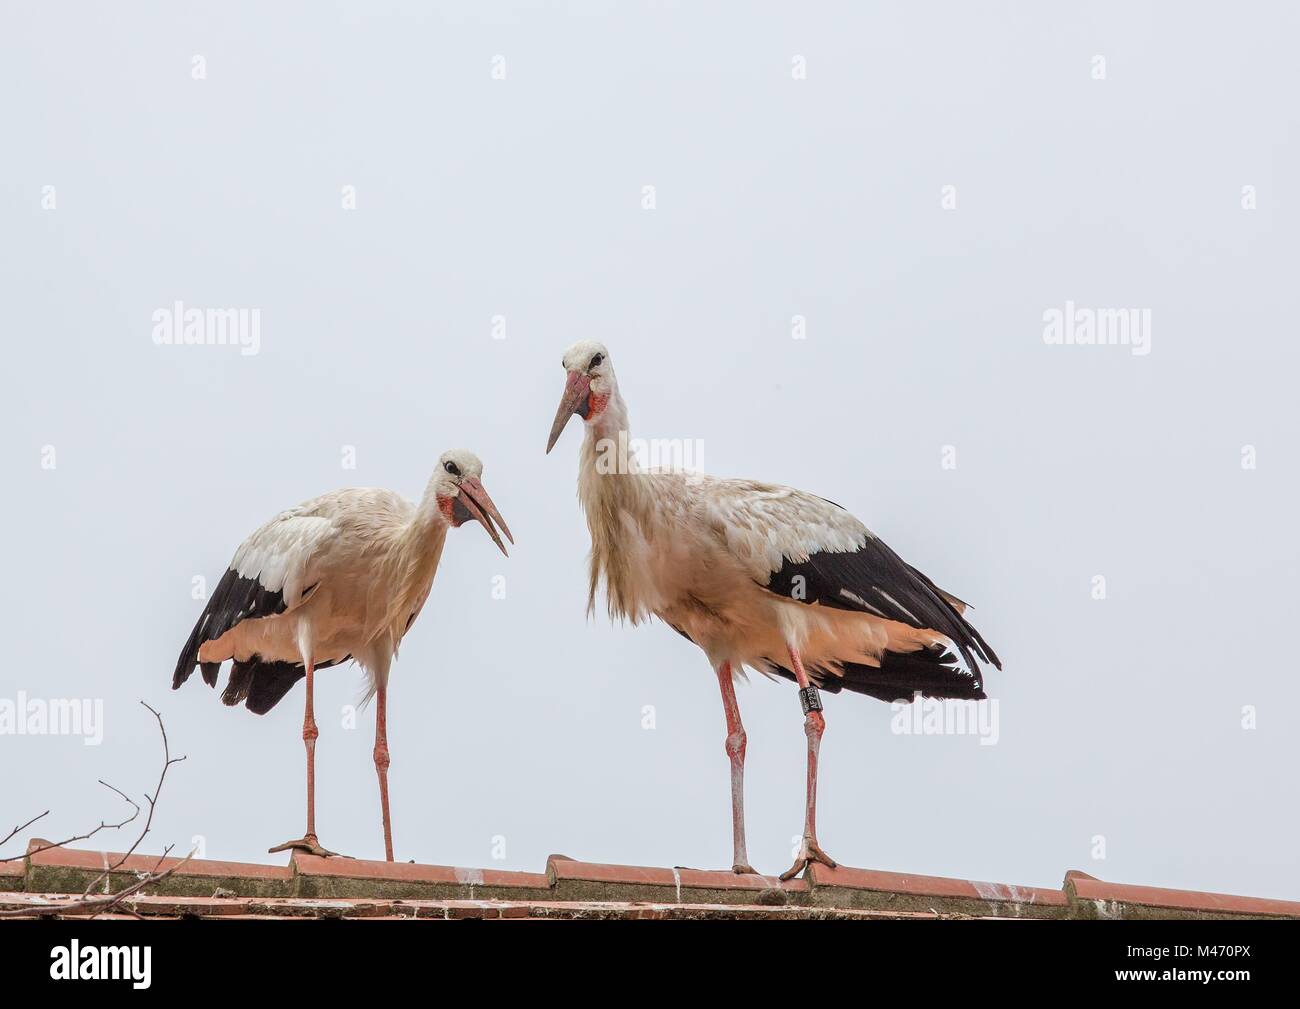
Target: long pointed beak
<point x="479" y="504"/>
<point x="573" y="401"/>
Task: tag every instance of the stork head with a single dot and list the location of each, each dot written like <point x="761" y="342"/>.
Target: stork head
<point x="587" y="388"/>
<point x="461" y="497"/>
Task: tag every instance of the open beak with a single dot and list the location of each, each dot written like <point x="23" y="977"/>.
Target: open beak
<point x="573" y="401"/>
<point x="476" y="501"/>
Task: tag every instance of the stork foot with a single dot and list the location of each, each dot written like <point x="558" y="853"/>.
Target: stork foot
<point x="744" y="869"/>
<point x="309" y="844"/>
<point x="809" y="853"/>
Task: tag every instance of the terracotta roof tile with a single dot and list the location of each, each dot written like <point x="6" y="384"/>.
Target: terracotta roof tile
<point x="12" y="874"/>
<point x="871" y="888"/>
<point x="70" y="870"/>
<point x="289" y="908"/>
<point x="1125" y="900"/>
<point x="311" y="887"/>
<point x="679" y="884"/>
<point x="347" y="876"/>
<point x="99" y="861"/>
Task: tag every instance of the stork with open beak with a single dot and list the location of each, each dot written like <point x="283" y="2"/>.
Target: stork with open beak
<point x="759" y="576"/>
<point x="340" y="577"/>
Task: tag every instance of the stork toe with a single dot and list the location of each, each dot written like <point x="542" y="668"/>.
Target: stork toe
<point x="309" y="844"/>
<point x="811" y="852"/>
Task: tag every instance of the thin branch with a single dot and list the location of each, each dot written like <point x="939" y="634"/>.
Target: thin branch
<point x="96" y="905"/>
<point x="163" y="857"/>
<point x="103" y="825"/>
<point x="168" y="760"/>
<point x="106" y="902"/>
<point x="21" y="827"/>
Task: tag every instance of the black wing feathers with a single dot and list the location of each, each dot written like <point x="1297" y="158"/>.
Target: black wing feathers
<point x="874" y="579"/>
<point x="270" y="682"/>
<point x="933" y="672"/>
<point x="261" y="685"/>
<point x="236" y="598"/>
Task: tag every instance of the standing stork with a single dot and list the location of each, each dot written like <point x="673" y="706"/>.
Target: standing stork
<point x="342" y="576"/>
<point x="758" y="575"/>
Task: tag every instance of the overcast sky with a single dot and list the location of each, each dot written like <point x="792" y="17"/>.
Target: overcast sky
<point x="799" y="154"/>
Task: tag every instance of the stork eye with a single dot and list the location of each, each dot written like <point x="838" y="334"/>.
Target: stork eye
<point x="451" y="468"/>
<point x="596" y="361"/>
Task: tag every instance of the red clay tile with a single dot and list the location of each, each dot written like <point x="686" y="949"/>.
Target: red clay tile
<point x="260" y="917"/>
<point x="205" y="907"/>
<point x="409" y="872"/>
<point x="1088" y="888"/>
<point x="22" y="901"/>
<point x="471" y="909"/>
<point x="596" y="890"/>
<point x="677" y="879"/>
<point x="933" y="886"/>
<point x="664" y="912"/>
<point x="98" y="861"/>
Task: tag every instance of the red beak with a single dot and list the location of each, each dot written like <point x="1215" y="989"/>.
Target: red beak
<point x="479" y="504"/>
<point x="573" y="401"/>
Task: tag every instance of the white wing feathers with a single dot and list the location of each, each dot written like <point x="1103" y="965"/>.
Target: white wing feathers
<point x="765" y="524"/>
<point x="282" y="554"/>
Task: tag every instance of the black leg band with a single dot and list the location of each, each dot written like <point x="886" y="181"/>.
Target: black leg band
<point x="810" y="699"/>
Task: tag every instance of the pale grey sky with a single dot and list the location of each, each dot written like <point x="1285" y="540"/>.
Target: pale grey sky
<point x="775" y="197"/>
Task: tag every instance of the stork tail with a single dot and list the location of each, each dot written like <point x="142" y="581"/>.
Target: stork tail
<point x="931" y="672"/>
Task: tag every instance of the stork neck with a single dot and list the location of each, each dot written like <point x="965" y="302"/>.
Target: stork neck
<point x="424" y="534"/>
<point x="606" y="446"/>
<point x="421" y="541"/>
<point x="613" y="491"/>
<point x="428" y="517"/>
<point x="608" y="471"/>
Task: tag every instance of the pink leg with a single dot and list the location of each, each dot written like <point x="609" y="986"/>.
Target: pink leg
<point x="736" y="752"/>
<point x="814" y="725"/>
<point x="309" y="842"/>
<point x="381" y="763"/>
<point x="309" y="734"/>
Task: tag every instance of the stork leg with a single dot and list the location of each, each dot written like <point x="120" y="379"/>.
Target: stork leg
<point x="814" y="724"/>
<point x="309" y="842"/>
<point x="382" y="761"/>
<point x="735" y="745"/>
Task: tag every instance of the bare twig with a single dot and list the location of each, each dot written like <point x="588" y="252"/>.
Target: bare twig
<point x="168" y="760"/>
<point x="21" y="827"/>
<point x="108" y="901"/>
<point x="96" y="905"/>
<point x="103" y="825"/>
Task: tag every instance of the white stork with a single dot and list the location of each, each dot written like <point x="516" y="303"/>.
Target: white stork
<point x="342" y="576"/>
<point x="758" y="575"/>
